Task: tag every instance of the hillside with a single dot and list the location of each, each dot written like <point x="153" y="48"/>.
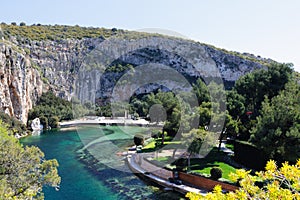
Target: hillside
<point x="89" y="62"/>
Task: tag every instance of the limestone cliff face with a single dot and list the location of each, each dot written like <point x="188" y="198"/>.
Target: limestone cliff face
<point x="190" y="59"/>
<point x="20" y="83"/>
<point x="29" y="68"/>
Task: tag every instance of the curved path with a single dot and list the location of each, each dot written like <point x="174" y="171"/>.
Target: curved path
<point x="160" y="180"/>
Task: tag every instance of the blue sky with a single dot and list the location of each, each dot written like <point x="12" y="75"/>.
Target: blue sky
<point x="269" y="28"/>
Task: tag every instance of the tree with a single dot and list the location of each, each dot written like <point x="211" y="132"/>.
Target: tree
<point x="49" y="105"/>
<point x="230" y="128"/>
<point x="205" y="113"/>
<point x="277" y="131"/>
<point x="44" y="122"/>
<point x="274" y="183"/>
<point x="235" y="104"/>
<point x="260" y="83"/>
<point x="53" y="122"/>
<point x="23" y="171"/>
<point x="201" y="91"/>
<point x="257" y="86"/>
<point x="14" y="125"/>
<point x="194" y="141"/>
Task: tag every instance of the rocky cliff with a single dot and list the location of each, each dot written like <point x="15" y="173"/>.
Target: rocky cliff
<point x="90" y="67"/>
<point x="20" y="83"/>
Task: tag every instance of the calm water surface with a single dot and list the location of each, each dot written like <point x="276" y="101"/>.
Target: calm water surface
<point x="90" y="173"/>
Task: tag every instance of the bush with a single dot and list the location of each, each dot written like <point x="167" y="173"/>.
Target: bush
<point x="216" y="173"/>
<point x="53" y="122"/>
<point x="138" y="139"/>
<point x="44" y="122"/>
<point x="13" y="124"/>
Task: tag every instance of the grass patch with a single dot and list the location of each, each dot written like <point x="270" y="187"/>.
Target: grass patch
<point x="226" y="169"/>
<point x="163" y="159"/>
<point x="150" y="147"/>
<point x="198" y="165"/>
<point x="230" y="146"/>
<point x="172" y="142"/>
<point x="204" y="165"/>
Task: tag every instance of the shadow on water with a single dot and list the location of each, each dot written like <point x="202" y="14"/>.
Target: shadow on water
<point x="84" y="176"/>
<point x="126" y="184"/>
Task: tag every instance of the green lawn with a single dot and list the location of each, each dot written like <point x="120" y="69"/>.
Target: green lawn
<point x="163" y="159"/>
<point x="151" y="146"/>
<point x="213" y="159"/>
<point x="226" y="169"/>
<point x="198" y="165"/>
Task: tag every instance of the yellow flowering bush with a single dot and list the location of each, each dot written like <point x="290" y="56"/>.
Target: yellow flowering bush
<point x="276" y="183"/>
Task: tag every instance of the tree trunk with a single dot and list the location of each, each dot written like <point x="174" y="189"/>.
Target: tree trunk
<point x="220" y="139"/>
<point x="174" y="152"/>
<point x="189" y="163"/>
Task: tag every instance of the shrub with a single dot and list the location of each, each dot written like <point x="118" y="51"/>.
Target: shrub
<point x="13" y="124"/>
<point x="138" y="139"/>
<point x="216" y="173"/>
<point x="53" y="121"/>
<point x="44" y="122"/>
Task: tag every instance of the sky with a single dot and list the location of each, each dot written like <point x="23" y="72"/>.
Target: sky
<point x="269" y="28"/>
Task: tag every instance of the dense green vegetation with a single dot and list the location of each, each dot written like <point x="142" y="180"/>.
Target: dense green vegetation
<point x="171" y="109"/>
<point x="277" y="131"/>
<point x="14" y="125"/>
<point x="57" y="32"/>
<point x="262" y="110"/>
<point x="271" y="119"/>
<point x="23" y="171"/>
<point x="40" y="32"/>
<point x="50" y="107"/>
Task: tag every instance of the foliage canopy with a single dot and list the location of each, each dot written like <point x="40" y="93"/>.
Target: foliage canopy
<point x="24" y="170"/>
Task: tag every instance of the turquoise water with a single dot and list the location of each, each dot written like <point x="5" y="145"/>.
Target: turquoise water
<point x="89" y="166"/>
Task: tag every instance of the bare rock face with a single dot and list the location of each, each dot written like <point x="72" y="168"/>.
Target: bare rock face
<point x="20" y="84"/>
<point x="29" y="68"/>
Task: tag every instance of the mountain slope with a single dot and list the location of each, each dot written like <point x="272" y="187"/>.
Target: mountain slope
<point x="90" y="61"/>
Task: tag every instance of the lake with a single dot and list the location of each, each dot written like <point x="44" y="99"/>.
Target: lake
<point x="89" y="167"/>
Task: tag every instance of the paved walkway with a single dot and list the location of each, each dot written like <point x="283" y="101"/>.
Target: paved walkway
<point x="136" y="168"/>
<point x="100" y="120"/>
